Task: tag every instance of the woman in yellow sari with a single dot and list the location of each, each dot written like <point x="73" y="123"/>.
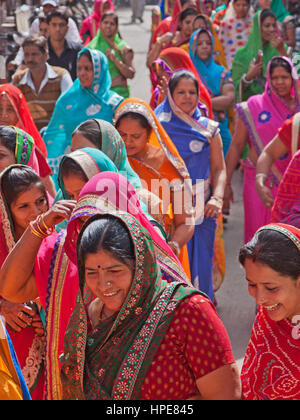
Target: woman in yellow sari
<point x="12" y="384"/>
<point x="153" y="156"/>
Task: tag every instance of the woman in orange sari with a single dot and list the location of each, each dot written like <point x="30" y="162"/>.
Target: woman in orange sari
<point x="156" y="160"/>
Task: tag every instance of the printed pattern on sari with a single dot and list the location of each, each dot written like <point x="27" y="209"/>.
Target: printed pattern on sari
<point x="56" y="279"/>
<point x="271" y="368"/>
<point x="106" y="348"/>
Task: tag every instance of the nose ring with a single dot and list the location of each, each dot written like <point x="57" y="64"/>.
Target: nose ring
<point x="108" y="283"/>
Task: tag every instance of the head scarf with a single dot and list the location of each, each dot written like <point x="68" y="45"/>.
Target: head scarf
<point x="91" y="161"/>
<point x="271" y="368"/>
<point x="110" y="191"/>
<point x="91" y="23"/>
<point x="264" y="114"/>
<point x="246" y="54"/>
<point x="79" y="104"/>
<point x="286" y="208"/>
<point x="174" y="58"/>
<point x="234" y="32"/>
<point x="124" y="345"/>
<point x="25" y="120"/>
<point x="209" y="72"/>
<point x="279" y="10"/>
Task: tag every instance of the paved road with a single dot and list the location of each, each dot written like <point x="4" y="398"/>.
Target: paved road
<point x="235" y="307"/>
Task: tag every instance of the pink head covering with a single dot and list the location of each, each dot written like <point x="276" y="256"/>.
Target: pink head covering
<point x="110" y="192"/>
<point x="91" y="23"/>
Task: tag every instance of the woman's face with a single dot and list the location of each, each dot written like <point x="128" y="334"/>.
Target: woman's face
<point x="185" y="95"/>
<point x="85" y="72"/>
<point x="8" y="115"/>
<point x="268" y="29"/>
<point x="108" y="27"/>
<point x="209" y="7"/>
<point x="282" y="82"/>
<point x="265" y="4"/>
<point x="134" y="136"/>
<point x="80" y="142"/>
<point x="199" y="23"/>
<point x="187" y="26"/>
<point x="73" y="185"/>
<point x="27" y="206"/>
<point x="205" y="45"/>
<point x="109" y="279"/>
<point x="241" y="8"/>
<point x="279" y="295"/>
<point x="7" y="158"/>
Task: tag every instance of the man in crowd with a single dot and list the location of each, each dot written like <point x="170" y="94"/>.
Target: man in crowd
<point x="41" y="83"/>
<point x="62" y="53"/>
<point x="48" y="7"/>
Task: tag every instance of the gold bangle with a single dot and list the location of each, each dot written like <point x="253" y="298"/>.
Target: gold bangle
<point x="35" y="232"/>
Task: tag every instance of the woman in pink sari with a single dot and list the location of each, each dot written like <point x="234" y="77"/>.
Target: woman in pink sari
<point x="110" y="191"/>
<point x="91" y="24"/>
<point x="257" y="124"/>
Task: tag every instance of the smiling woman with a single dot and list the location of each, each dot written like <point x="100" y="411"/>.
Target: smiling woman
<point x="272" y="264"/>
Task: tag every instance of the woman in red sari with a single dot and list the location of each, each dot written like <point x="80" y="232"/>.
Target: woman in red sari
<point x="170" y="60"/>
<point x="272" y="263"/>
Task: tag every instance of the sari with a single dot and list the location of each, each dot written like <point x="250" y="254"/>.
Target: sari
<point x="29" y="347"/>
<point x="271" y="366"/>
<point x="243" y="58"/>
<point x="120" y="48"/>
<point x="90" y="25"/>
<point x="219" y="54"/>
<point x="234" y="32"/>
<point x="173" y="170"/>
<point x="57" y="279"/>
<point x="263" y="115"/>
<point x="286" y="208"/>
<point x="112" y="361"/>
<point x="25" y="120"/>
<point x="214" y="77"/>
<point x="191" y="135"/>
<point x="12" y="384"/>
<point x="77" y="105"/>
<point x="289" y="133"/>
<point x="110" y="191"/>
<point x="172" y="59"/>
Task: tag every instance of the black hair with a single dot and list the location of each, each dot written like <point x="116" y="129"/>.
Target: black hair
<point x="248" y="1"/>
<point x="86" y="54"/>
<point x="60" y="12"/>
<point x="179" y="75"/>
<point x="111" y="13"/>
<point x="265" y="14"/>
<point x="8" y="138"/>
<point x="107" y="233"/>
<point x="137" y="117"/>
<point x="38" y="41"/>
<point x="91" y="130"/>
<point x="275" y="250"/>
<point x="186" y="13"/>
<point x="17" y="180"/>
<point x="280" y="62"/>
<point x="69" y="166"/>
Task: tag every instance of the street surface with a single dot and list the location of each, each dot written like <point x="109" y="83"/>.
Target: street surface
<point x="235" y="307"/>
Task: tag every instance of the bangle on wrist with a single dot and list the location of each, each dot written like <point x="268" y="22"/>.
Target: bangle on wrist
<point x="176" y="246"/>
<point x="247" y="82"/>
<point x="217" y="198"/>
<point x="261" y="176"/>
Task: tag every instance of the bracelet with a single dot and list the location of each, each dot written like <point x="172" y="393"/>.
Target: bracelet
<point x="35" y="232"/>
<point x="216" y="198"/>
<point x="261" y="175"/>
<point x="247" y="82"/>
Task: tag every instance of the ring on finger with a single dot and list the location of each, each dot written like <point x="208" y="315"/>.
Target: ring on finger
<point x="20" y="315"/>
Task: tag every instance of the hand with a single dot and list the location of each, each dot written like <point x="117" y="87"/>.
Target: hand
<point x="228" y="198"/>
<point x="58" y="212"/>
<point x="110" y="54"/>
<point x="17" y="316"/>
<point x="163" y="86"/>
<point x="255" y="70"/>
<point x="278" y="43"/>
<point x="38" y="325"/>
<point x="165" y="38"/>
<point x="265" y="194"/>
<point x="213" y="208"/>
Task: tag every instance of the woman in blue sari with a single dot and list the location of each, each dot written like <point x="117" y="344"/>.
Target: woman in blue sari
<point x="199" y="144"/>
<point x="215" y="78"/>
<point x="12" y="383"/>
<point x="89" y="97"/>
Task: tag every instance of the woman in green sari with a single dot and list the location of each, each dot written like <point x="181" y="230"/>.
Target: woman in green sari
<point x="120" y="340"/>
<point x="119" y="54"/>
<point x="251" y="61"/>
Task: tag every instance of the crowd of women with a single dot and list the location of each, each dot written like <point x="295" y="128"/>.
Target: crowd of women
<point x="107" y="288"/>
